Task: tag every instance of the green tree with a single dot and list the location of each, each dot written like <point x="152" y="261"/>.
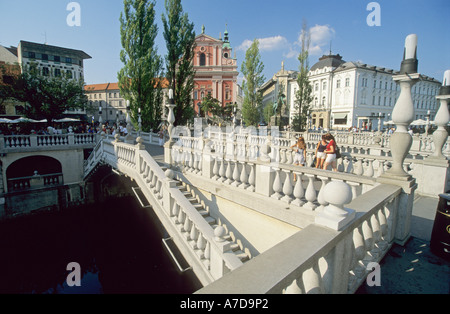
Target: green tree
<point x="140" y="80"/>
<point x="47" y="97"/>
<point x="180" y="42"/>
<point x="268" y="113"/>
<point x="210" y="105"/>
<point x="252" y="69"/>
<point x="303" y="97"/>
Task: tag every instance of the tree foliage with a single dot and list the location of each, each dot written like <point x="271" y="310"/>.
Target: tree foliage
<point x="303" y="97"/>
<point x="141" y="78"/>
<point x="47" y="97"/>
<point x="252" y="69"/>
<point x="179" y="35"/>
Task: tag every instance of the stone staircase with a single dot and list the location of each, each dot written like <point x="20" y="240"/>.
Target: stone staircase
<point x="235" y="247"/>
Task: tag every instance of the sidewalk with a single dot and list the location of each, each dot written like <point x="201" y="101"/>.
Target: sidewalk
<point x="414" y="269"/>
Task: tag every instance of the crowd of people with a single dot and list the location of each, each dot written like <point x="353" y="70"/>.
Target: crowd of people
<point x="325" y="153"/>
<point x="61" y="128"/>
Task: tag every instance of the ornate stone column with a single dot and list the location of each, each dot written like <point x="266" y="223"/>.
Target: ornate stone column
<point x="171" y="119"/>
<point x="401" y="141"/>
<point x="403" y="113"/>
<point x="442" y="118"/>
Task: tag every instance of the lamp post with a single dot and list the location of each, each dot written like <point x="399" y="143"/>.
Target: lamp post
<point x="170" y="116"/>
<point x="403" y="112"/>
<point x="427" y="126"/>
<point x="139" y="122"/>
<point x="442" y="117"/>
<point x="100" y="117"/>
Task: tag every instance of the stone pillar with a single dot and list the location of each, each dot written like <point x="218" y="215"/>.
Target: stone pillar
<point x="171" y="119"/>
<point x="401" y="141"/>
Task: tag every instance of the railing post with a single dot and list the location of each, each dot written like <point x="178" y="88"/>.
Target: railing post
<point x="334" y="215"/>
<point x="33" y="140"/>
<point x="71" y="138"/>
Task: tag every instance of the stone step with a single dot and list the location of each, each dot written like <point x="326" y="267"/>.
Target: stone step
<point x="241" y="255"/>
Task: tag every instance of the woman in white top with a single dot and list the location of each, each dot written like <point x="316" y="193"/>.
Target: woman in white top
<point x="300" y="153"/>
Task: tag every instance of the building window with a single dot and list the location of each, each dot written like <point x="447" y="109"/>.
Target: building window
<point x="31" y="55"/>
<point x="375" y="84"/>
<point x="45" y="57"/>
<point x="57" y="58"/>
<point x="57" y="72"/>
<point x="347" y="82"/>
<point x="323" y="101"/>
<point x="45" y="71"/>
<point x="316" y="87"/>
<point x="338" y="84"/>
<point x="202" y="59"/>
<point x="195" y="95"/>
<point x="68" y="60"/>
<point x="324" y="85"/>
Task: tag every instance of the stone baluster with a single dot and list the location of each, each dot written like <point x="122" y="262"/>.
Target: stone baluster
<point x="369" y="170"/>
<point x="244" y="177"/>
<point x="216" y="169"/>
<point x="299" y="191"/>
<point x="252" y="178"/>
<point x="321" y="196"/>
<point x="201" y="245"/>
<point x="312" y="280"/>
<point x="296" y="287"/>
<point x="310" y="194"/>
<point x="359" y="169"/>
<point x="357" y="268"/>
<point x="383" y="243"/>
<point x="349" y="167"/>
<point x="369" y="242"/>
<point x="287" y="188"/>
<point x="289" y="157"/>
<point x="229" y="173"/>
<point x="277" y="186"/>
<point x="222" y="171"/>
<point x="236" y="175"/>
<point x="174" y="210"/>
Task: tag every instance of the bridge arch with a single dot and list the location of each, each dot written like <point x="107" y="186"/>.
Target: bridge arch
<point x="28" y="166"/>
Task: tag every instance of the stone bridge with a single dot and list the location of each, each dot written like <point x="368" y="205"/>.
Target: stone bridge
<point x="234" y="212"/>
<point x="40" y="171"/>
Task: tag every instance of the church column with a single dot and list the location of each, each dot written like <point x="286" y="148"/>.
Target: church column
<point x="214" y="55"/>
<point x="220" y="95"/>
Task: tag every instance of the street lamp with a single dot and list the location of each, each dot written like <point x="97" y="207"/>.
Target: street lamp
<point x="100" y="116"/>
<point x="139" y="122"/>
<point x="379" y="122"/>
<point x="428" y="122"/>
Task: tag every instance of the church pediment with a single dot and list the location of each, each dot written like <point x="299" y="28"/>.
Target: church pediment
<point x="206" y="38"/>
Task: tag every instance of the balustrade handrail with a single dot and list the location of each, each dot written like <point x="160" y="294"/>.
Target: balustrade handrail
<point x="138" y="163"/>
<point x="320" y="260"/>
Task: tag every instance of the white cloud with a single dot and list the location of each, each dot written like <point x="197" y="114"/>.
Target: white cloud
<point x="321" y="35"/>
<point x="266" y="44"/>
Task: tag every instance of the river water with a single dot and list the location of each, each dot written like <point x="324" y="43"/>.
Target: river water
<point x="117" y="245"/>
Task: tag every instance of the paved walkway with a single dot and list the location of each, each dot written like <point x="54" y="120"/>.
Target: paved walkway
<point x="413" y="268"/>
<point x="409" y="269"/>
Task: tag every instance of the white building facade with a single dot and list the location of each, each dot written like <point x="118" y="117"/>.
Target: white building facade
<point x="353" y="94"/>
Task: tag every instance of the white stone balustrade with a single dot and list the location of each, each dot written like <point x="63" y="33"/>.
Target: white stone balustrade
<point x="190" y="231"/>
<point x="320" y="260"/>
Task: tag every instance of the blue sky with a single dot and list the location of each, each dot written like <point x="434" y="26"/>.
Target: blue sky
<point x="277" y="24"/>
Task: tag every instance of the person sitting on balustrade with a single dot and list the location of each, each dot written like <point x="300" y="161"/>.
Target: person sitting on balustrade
<point x="300" y="153"/>
<point x="331" y="152"/>
<point x="320" y="152"/>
